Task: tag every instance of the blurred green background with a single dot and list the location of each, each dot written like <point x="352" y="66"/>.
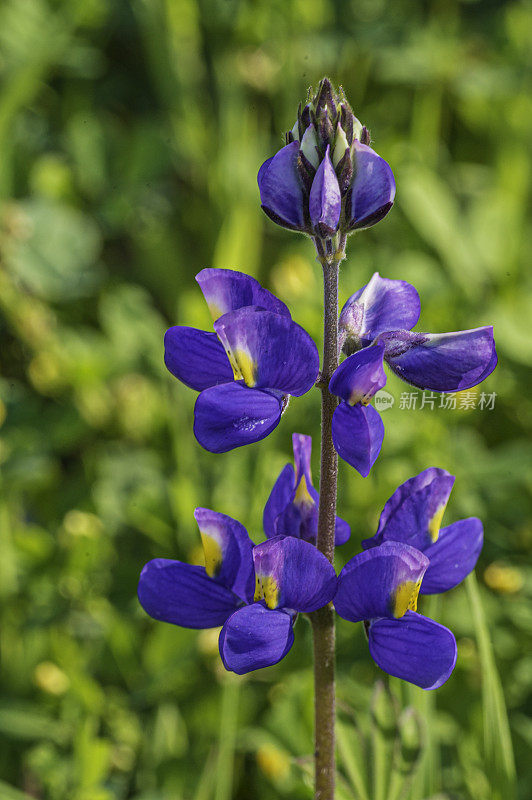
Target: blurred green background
<point x="130" y="138"/>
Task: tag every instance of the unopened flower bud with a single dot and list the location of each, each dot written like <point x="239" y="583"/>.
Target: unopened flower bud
<point x="327" y="146"/>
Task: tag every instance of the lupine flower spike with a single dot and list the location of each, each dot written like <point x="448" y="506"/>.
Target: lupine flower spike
<point x="253" y="592"/>
<point x="292" y="507"/>
<point x="247" y="370"/>
<point x="413" y="516"/>
<point x="326" y="179"/>
<point x="375" y="327"/>
<point x="380" y="588"/>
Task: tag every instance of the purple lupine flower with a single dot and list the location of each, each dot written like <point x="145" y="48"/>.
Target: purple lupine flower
<point x="380" y="587"/>
<point x="375" y="326"/>
<point x="327" y="178"/>
<point x="255" y="593"/>
<point x="247" y="370"/>
<point x="413" y="516"/>
<point x="292" y="507"/>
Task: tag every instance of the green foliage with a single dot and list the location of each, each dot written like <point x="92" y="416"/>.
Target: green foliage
<point x="130" y="138"/>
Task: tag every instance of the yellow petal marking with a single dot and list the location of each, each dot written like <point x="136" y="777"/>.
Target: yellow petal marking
<point x="213" y="553"/>
<point x="303" y="496"/>
<point x="246" y="366"/>
<point x="357" y="396"/>
<point x="405" y="598"/>
<point x="435" y="523"/>
<point x="267" y="589"/>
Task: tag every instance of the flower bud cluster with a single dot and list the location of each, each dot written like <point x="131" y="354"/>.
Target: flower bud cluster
<point x="326" y="179"/>
<point x="326" y="126"/>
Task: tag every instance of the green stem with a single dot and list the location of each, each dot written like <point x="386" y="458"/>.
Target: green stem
<point x="323" y="620"/>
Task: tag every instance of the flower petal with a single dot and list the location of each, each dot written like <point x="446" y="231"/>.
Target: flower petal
<point x="184" y="595"/>
<point x="414" y="512"/>
<point x="302" y="447"/>
<point x="228" y="552"/>
<point x="453" y="556"/>
<point x="413" y="648"/>
<point x="300" y="519"/>
<point x="279" y="498"/>
<point x="300" y="516"/>
<point x="269" y="351"/>
<point x="255" y="637"/>
<point x="372" y="190"/>
<point x="442" y="362"/>
<point x="357" y="433"/>
<point x="232" y="415"/>
<point x="325" y="202"/>
<point x="292" y="507"/>
<point x="360" y="376"/>
<point x="309" y="510"/>
<point x="196" y="358"/>
<point x="342" y="531"/>
<point x="281" y="191"/>
<point x="292" y="573"/>
<point x="381" y="305"/>
<point x="381" y="582"/>
<point x="227" y="290"/>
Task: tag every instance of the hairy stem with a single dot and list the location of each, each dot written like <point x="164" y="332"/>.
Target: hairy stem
<point x="323" y="620"/>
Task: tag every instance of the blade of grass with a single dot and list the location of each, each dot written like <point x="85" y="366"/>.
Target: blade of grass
<point x="350" y="762"/>
<point x="498" y="751"/>
<point x="383" y="738"/>
<point x="227" y="739"/>
<point x="206" y="782"/>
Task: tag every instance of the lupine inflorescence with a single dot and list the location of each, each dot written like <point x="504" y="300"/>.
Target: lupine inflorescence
<point x="326" y="182"/>
<point x="256" y="592"/>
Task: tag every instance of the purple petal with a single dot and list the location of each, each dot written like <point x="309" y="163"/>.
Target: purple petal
<point x="292" y="507"/>
<point x="442" y="362"/>
<point x="262" y="169"/>
<point x="196" y="358"/>
<point x="228" y="552"/>
<point x="373" y="187"/>
<point x="302" y="447"/>
<point x="255" y="637"/>
<point x="414" y="512"/>
<point x="292" y="573"/>
<point x="233" y="415"/>
<point x="325" y="202"/>
<point x="357" y="433"/>
<point x="184" y="595"/>
<point x="300" y="516"/>
<point x="413" y="648"/>
<point x="381" y="582"/>
<point x="306" y="498"/>
<point x="453" y="556"/>
<point x="280" y="497"/>
<point x="269" y="351"/>
<point x="227" y="290"/>
<point x="281" y="191"/>
<point x="381" y="305"/>
<point x="342" y="531"/>
<point x="360" y="376"/>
